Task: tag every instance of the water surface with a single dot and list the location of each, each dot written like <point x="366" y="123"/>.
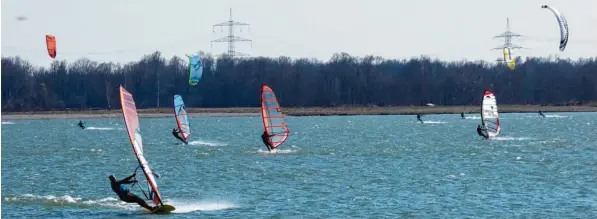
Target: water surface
<point x="330" y="167"/>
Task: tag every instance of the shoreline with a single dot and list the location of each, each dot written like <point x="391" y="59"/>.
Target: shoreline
<point x="306" y="111"/>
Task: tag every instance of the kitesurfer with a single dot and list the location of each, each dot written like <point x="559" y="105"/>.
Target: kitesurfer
<point x="81" y="124"/>
<point x="480" y="132"/>
<point x="175" y="132"/>
<point x="419" y="118"/>
<point x="265" y="138"/>
<point x="462" y="115"/>
<point x="541" y="113"/>
<point x="125" y="194"/>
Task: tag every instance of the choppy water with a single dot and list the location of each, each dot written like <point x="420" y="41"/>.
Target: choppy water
<point x="330" y="167"/>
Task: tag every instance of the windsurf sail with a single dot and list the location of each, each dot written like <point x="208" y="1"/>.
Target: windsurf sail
<point x="563" y="26"/>
<point x="489" y="114"/>
<point x="51" y="45"/>
<point x="182" y="120"/>
<point x="195" y="69"/>
<point x="131" y="120"/>
<point x="273" y="118"/>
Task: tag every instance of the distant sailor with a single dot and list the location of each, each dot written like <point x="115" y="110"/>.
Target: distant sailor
<point x="481" y="133"/>
<point x="125" y="194"/>
<point x="541" y="113"/>
<point x="176" y="133"/>
<point x="265" y="138"/>
<point x="81" y="124"/>
<point x="419" y="118"/>
<point x="462" y="115"/>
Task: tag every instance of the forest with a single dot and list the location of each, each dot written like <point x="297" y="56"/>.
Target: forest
<point x="344" y="80"/>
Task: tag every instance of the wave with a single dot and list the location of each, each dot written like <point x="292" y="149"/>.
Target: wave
<point x="7" y="123"/>
<point x="277" y="151"/>
<point x="206" y="143"/>
<point x="191" y="206"/>
<point x="102" y="128"/>
<point x="69" y="201"/>
<point x="510" y="138"/>
<point x="555" y="116"/>
<point x="433" y="122"/>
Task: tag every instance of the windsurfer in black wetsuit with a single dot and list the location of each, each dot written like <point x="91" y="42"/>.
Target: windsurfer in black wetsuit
<point x="81" y="124"/>
<point x="541" y="113"/>
<point x="462" y="115"/>
<point x="125" y="194"/>
<point x="481" y="133"/>
<point x="419" y="118"/>
<point x="175" y="132"/>
<point x="265" y="138"/>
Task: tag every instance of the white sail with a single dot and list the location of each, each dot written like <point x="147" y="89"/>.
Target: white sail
<point x="489" y="114"/>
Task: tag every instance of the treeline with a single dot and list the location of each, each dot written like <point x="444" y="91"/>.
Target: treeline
<point x="343" y="80"/>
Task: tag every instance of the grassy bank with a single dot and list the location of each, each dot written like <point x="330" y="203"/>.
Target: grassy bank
<point x="319" y="111"/>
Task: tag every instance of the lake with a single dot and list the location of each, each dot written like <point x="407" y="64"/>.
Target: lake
<point x="330" y="167"/>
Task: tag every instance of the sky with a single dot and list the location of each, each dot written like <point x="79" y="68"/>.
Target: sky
<point x="123" y="31"/>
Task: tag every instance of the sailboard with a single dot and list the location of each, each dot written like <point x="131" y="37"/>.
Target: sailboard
<point x="182" y="120"/>
<point x="489" y="114"/>
<point x="131" y="120"/>
<point x="195" y="69"/>
<point x="273" y="118"/>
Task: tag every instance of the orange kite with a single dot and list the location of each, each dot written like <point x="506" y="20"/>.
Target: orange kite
<point x="51" y="43"/>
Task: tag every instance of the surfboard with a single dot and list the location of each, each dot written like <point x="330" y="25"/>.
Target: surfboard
<point x="163" y="209"/>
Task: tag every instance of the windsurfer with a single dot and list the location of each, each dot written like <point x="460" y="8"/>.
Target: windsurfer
<point x="419" y="118"/>
<point x="541" y="113"/>
<point x="462" y="115"/>
<point x="175" y="132"/>
<point x="480" y="132"/>
<point x="81" y="124"/>
<point x="125" y="194"/>
<point x="265" y="138"/>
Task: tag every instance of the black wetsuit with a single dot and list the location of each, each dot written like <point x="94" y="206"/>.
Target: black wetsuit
<point x="462" y="115"/>
<point x="541" y="113"/>
<point x="175" y="132"/>
<point x="125" y="195"/>
<point x="480" y="132"/>
<point x="419" y="118"/>
<point x="81" y="124"/>
<point x="265" y="139"/>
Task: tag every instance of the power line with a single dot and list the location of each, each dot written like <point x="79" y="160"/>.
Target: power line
<point x="507" y="35"/>
<point x="231" y="39"/>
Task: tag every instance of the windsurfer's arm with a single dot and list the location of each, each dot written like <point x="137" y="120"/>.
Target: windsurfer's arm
<point x="128" y="179"/>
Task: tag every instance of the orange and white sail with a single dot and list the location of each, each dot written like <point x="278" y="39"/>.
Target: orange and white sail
<point x="273" y="118"/>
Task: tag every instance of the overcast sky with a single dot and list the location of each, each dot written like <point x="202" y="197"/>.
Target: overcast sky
<point x="124" y="30"/>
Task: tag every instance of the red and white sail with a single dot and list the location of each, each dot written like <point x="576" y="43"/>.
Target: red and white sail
<point x="490" y="115"/>
<point x="273" y="118"/>
<point x="131" y="120"/>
